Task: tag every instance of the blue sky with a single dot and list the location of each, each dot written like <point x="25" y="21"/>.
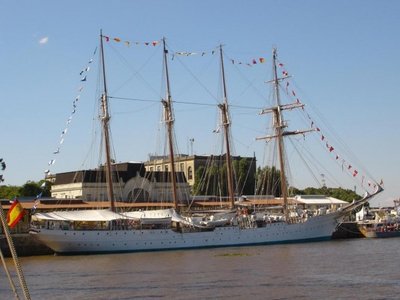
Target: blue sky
<point x="344" y="56"/>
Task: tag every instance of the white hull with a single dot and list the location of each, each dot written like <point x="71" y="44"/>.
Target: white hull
<point x="112" y="241"/>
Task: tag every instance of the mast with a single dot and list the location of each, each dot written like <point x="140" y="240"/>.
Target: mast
<point x="279" y="126"/>
<point x="226" y="123"/>
<point x="169" y="121"/>
<point x="105" y="119"/>
<point x="280" y="132"/>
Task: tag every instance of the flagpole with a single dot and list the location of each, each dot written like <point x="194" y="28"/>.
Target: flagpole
<point x="8" y="275"/>
<point x="14" y="255"/>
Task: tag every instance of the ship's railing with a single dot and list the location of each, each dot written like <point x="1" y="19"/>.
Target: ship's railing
<point x="123" y="224"/>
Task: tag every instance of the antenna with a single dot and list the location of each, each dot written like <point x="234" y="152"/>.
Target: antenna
<point x="191" y="145"/>
<point x="323" y="180"/>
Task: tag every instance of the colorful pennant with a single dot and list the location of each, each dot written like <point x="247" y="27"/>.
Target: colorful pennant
<point x="345" y="165"/>
<point x="251" y="62"/>
<point x="83" y="75"/>
<point x="128" y="43"/>
<point x="2" y="168"/>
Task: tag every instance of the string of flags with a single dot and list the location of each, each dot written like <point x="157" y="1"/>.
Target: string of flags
<point x="345" y="165"/>
<point x="251" y="62"/>
<point x="129" y="43"/>
<point x="83" y="78"/>
<point x="37" y="198"/>
<point x="2" y="168"/>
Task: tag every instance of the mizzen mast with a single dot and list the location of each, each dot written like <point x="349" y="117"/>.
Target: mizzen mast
<point x="226" y="124"/>
<point x="169" y="121"/>
<point x="105" y="120"/>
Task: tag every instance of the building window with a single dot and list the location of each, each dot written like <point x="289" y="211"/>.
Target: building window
<point x="166" y="168"/>
<point x="182" y="166"/>
<point x="158" y="168"/>
<point x="190" y="173"/>
<point x="151" y="169"/>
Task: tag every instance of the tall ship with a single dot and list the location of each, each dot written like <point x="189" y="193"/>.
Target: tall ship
<point x="115" y="230"/>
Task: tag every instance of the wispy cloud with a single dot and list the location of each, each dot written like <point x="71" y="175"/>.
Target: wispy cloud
<point x="44" y="40"/>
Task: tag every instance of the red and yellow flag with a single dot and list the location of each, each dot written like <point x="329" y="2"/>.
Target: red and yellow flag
<point x="15" y="213"/>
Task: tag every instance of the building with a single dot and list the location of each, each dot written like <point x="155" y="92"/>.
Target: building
<point x="139" y="182"/>
<point x="91" y="184"/>
<point x="130" y="181"/>
<point x="156" y="187"/>
<point x="190" y="164"/>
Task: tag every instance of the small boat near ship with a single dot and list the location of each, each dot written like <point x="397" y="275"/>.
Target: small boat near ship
<point x="112" y="230"/>
<point x="380" y="229"/>
<point x="383" y="224"/>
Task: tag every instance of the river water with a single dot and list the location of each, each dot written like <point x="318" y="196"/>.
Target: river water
<point x="338" y="269"/>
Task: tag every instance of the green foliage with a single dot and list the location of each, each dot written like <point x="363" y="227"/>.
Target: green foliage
<point x="244" y="178"/>
<point x="269" y="181"/>
<point x="343" y="194"/>
<point x="29" y="189"/>
<point x="9" y="191"/>
<point x="212" y="180"/>
<point x="46" y="188"/>
<point x="338" y="193"/>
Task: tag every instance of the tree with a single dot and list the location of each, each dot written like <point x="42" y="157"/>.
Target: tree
<point x="45" y="187"/>
<point x="30" y="188"/>
<point x="9" y="191"/>
<point x="338" y="193"/>
<point x="268" y="181"/>
<point x="245" y="179"/>
<point x="212" y="180"/>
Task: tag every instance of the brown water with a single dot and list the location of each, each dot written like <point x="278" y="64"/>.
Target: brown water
<point x="341" y="269"/>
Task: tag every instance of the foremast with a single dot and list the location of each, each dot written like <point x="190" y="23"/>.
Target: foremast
<point x="226" y="125"/>
<point x="279" y="130"/>
<point x="105" y="120"/>
<point x="169" y="121"/>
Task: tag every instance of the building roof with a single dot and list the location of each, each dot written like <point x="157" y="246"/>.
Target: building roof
<point x="185" y="157"/>
<point x="318" y="200"/>
<point x="124" y="170"/>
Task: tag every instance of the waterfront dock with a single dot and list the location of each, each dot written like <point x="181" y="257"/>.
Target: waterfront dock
<point x="25" y="245"/>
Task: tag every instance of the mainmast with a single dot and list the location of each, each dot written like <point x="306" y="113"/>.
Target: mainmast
<point x="169" y="121"/>
<point x="279" y="126"/>
<point x="226" y="123"/>
<point x="105" y="119"/>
